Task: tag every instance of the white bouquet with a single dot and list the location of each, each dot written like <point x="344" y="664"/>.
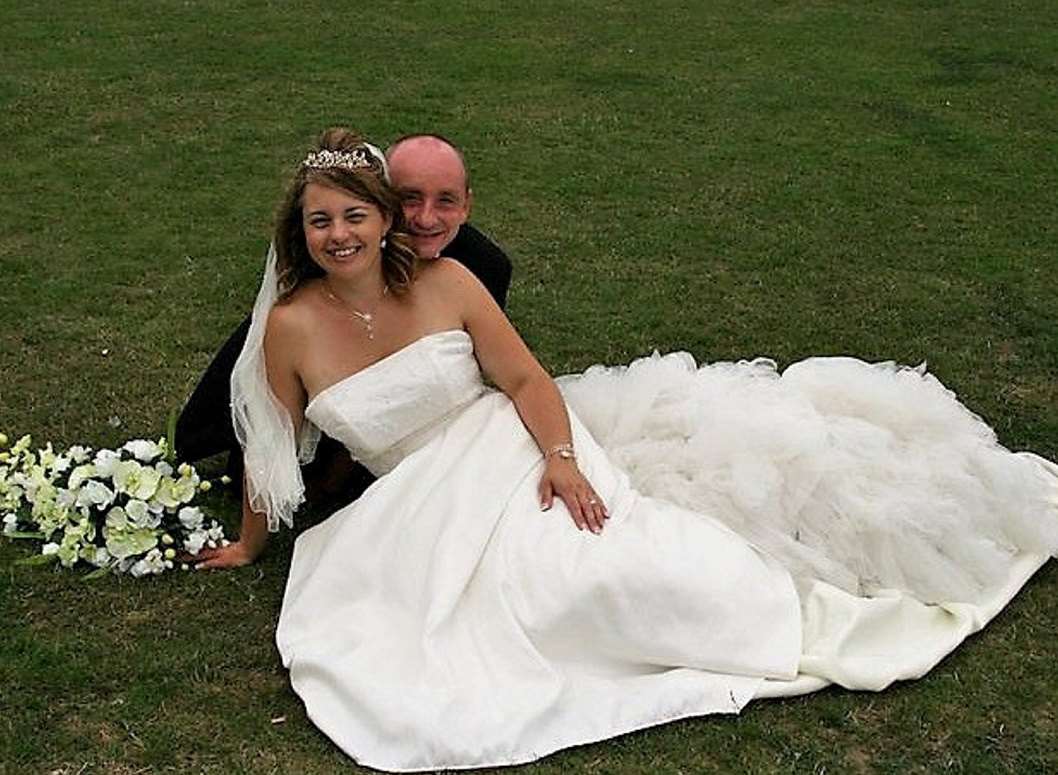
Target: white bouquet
<point x="125" y="510"/>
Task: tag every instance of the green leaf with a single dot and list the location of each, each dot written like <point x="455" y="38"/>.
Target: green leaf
<point x="24" y="534"/>
<point x="40" y="559"/>
<point x="170" y="435"/>
<point x="98" y="573"/>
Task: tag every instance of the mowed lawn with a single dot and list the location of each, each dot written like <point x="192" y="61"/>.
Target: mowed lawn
<point x="733" y="179"/>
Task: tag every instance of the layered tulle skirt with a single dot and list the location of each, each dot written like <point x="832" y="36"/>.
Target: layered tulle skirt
<point x="866" y="476"/>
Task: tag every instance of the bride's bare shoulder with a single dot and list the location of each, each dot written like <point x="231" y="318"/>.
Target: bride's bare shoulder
<point x="447" y="276"/>
<point x="292" y="316"/>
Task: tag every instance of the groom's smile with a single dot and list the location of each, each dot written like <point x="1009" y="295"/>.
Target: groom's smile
<point x="432" y="181"/>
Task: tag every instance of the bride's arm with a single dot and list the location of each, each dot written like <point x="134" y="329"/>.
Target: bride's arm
<point x="280" y="347"/>
<point x="508" y="362"/>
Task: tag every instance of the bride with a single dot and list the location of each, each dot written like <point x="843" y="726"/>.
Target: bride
<point x="522" y="578"/>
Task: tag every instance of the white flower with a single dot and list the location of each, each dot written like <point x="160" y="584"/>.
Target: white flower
<point x="166" y="496"/>
<point x="21" y="445"/>
<point x="135" y="480"/>
<point x="136" y="510"/>
<point x="190" y="517"/>
<point x="47" y="456"/>
<point x="106" y="460"/>
<point x="10" y="523"/>
<point x="127" y="542"/>
<point x="95" y="494"/>
<point x="50" y="548"/>
<point x="69" y="550"/>
<point x="155" y="560"/>
<point x="117" y="519"/>
<point x="143" y="450"/>
<point x="184" y="489"/>
<point x="163" y="468"/>
<point x="13" y="495"/>
<point x="48" y="514"/>
<point x="152" y="563"/>
<point x="78" y="454"/>
<point x="80" y="474"/>
<point x="194" y="542"/>
<point x="97" y="555"/>
<point x="60" y="464"/>
<point x="36" y="482"/>
<point x="140" y="515"/>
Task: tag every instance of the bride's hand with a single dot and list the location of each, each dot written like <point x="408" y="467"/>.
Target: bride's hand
<point x="233" y="555"/>
<point x="253" y="535"/>
<point x="563" y="478"/>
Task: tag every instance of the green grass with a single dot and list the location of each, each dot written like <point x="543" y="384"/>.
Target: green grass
<point x="734" y="179"/>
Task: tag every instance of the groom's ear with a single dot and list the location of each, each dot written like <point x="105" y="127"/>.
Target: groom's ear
<point x="470" y="201"/>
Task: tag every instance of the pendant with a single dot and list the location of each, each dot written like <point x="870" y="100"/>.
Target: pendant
<point x="366" y="319"/>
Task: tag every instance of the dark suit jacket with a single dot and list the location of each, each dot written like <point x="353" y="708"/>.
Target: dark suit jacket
<point x="204" y="427"/>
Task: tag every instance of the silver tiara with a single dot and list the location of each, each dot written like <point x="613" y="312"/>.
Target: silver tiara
<point x="364" y="156"/>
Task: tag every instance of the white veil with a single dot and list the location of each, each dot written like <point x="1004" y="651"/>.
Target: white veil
<point x="271" y="453"/>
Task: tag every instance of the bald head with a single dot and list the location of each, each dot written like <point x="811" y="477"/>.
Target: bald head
<point x="416" y="150"/>
<point x="430" y="175"/>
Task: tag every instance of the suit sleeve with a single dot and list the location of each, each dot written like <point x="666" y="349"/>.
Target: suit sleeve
<point x="485" y="259"/>
<point x="204" y="427"/>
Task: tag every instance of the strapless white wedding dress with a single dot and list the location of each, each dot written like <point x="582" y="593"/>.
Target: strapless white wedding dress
<point x="443" y="620"/>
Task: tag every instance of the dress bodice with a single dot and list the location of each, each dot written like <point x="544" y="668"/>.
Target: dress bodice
<point x="391" y="408"/>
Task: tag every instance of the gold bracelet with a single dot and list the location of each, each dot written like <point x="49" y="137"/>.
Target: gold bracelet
<point x="564" y="451"/>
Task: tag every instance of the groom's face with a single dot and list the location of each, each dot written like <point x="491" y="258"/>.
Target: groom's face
<point x="432" y="183"/>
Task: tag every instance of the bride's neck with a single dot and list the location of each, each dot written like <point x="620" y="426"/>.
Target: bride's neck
<point x="357" y="291"/>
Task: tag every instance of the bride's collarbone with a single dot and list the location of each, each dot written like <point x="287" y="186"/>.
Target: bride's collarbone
<point x="337" y="342"/>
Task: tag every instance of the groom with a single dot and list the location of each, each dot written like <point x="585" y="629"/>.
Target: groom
<point x="430" y="174"/>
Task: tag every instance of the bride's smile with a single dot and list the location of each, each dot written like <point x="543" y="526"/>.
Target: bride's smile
<point x="342" y="232"/>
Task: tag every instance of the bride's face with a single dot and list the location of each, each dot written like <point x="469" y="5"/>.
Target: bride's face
<point x="343" y="233"/>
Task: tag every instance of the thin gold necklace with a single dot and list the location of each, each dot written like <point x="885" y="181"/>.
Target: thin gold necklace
<point x="366" y="319"/>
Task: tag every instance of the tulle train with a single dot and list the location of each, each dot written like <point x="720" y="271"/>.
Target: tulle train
<point x="867" y="476"/>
